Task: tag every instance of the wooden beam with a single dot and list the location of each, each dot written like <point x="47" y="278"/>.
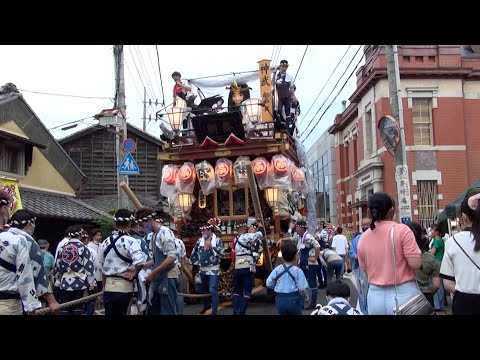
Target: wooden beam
<point x="258" y="213"/>
<point x="280" y="143"/>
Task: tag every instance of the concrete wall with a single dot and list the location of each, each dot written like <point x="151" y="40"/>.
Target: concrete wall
<point x="42" y="174"/>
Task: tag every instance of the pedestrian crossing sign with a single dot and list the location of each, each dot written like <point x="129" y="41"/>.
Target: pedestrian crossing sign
<point x="129" y="166"/>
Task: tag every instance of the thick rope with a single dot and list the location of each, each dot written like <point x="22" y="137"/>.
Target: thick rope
<point x="194" y="295"/>
<point x="45" y="311"/>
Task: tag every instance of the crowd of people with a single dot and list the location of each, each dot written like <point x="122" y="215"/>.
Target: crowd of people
<point x="139" y="265"/>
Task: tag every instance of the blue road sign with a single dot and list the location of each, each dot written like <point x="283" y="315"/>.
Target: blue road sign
<point x="129" y="145"/>
<point x="405" y="220"/>
<point x="129" y="166"/>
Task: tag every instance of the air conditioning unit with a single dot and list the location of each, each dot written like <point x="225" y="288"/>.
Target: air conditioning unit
<point x="116" y="121"/>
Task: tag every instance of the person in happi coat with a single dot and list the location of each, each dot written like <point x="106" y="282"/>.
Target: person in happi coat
<point x="120" y="257"/>
<point x="206" y="254"/>
<point x="309" y="249"/>
<point x="75" y="263"/>
<point x="17" y="287"/>
<point x="247" y="247"/>
<point x="22" y="224"/>
<point x="163" y="277"/>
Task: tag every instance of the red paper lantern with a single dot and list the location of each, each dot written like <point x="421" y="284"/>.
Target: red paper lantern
<point x="298" y="175"/>
<point x="280" y="165"/>
<point x="223" y="169"/>
<point x="260" y="166"/>
<point x="186" y="172"/>
<point x="169" y="173"/>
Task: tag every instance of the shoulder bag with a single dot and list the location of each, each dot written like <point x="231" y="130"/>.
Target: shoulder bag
<point x="415" y="305"/>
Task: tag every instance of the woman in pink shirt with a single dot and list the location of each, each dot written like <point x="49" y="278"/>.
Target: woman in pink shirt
<point x="375" y="256"/>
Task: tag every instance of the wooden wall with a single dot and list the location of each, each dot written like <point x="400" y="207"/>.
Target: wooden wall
<point x="94" y="153"/>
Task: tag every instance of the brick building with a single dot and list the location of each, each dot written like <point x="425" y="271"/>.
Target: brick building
<point x="440" y="87"/>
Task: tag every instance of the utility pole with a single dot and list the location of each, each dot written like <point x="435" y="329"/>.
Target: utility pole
<point x="402" y="175"/>
<point x="120" y="92"/>
<point x="144" y="108"/>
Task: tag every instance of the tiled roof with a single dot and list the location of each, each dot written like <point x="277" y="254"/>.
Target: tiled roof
<point x="107" y="203"/>
<point x="47" y="204"/>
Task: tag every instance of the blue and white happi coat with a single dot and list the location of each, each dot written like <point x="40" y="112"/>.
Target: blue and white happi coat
<point x="336" y="306"/>
<point x="129" y="247"/>
<point x="14" y="250"/>
<point x="75" y="263"/>
<point x="181" y="252"/>
<point x="249" y="244"/>
<point x="36" y="258"/>
<point x="307" y="241"/>
<point x="208" y="260"/>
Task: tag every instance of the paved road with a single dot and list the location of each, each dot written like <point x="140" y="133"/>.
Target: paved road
<point x="261" y="306"/>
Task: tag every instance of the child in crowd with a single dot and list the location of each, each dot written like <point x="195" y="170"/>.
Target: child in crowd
<point x="288" y="281"/>
<point x="338" y="295"/>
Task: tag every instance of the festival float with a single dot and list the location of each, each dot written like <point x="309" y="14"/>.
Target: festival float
<point x="232" y="162"/>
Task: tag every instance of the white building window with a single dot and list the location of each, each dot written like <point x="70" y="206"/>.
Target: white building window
<point x="427" y="202"/>
<point x="368" y="138"/>
<point x="12" y="157"/>
<point x="422" y="121"/>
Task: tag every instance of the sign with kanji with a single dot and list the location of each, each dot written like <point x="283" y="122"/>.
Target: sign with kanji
<point x="403" y="189"/>
<point x="265" y="77"/>
<point x="129" y="166"/>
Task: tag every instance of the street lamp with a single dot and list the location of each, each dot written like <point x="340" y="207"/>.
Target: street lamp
<point x="252" y="111"/>
<point x="185" y="202"/>
<point x="271" y="195"/>
<point x="175" y="117"/>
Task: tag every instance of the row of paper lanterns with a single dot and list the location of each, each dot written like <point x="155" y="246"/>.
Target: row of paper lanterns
<point x="279" y="172"/>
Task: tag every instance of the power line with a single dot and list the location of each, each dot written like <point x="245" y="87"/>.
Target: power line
<point x="67" y="95"/>
<point x="154" y="72"/>
<point x="324" y="85"/>
<point x="134" y="63"/>
<point x="273" y="51"/>
<point x="134" y="82"/>
<point x="160" y="72"/>
<point x="328" y="107"/>
<point x="278" y="54"/>
<point x="333" y="89"/>
<point x="71" y="122"/>
<point x="303" y="57"/>
<point x="145" y="73"/>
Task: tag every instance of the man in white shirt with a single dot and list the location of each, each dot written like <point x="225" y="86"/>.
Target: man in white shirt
<point x="340" y="245"/>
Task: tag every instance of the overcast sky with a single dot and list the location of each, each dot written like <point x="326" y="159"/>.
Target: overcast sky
<point x="83" y="70"/>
